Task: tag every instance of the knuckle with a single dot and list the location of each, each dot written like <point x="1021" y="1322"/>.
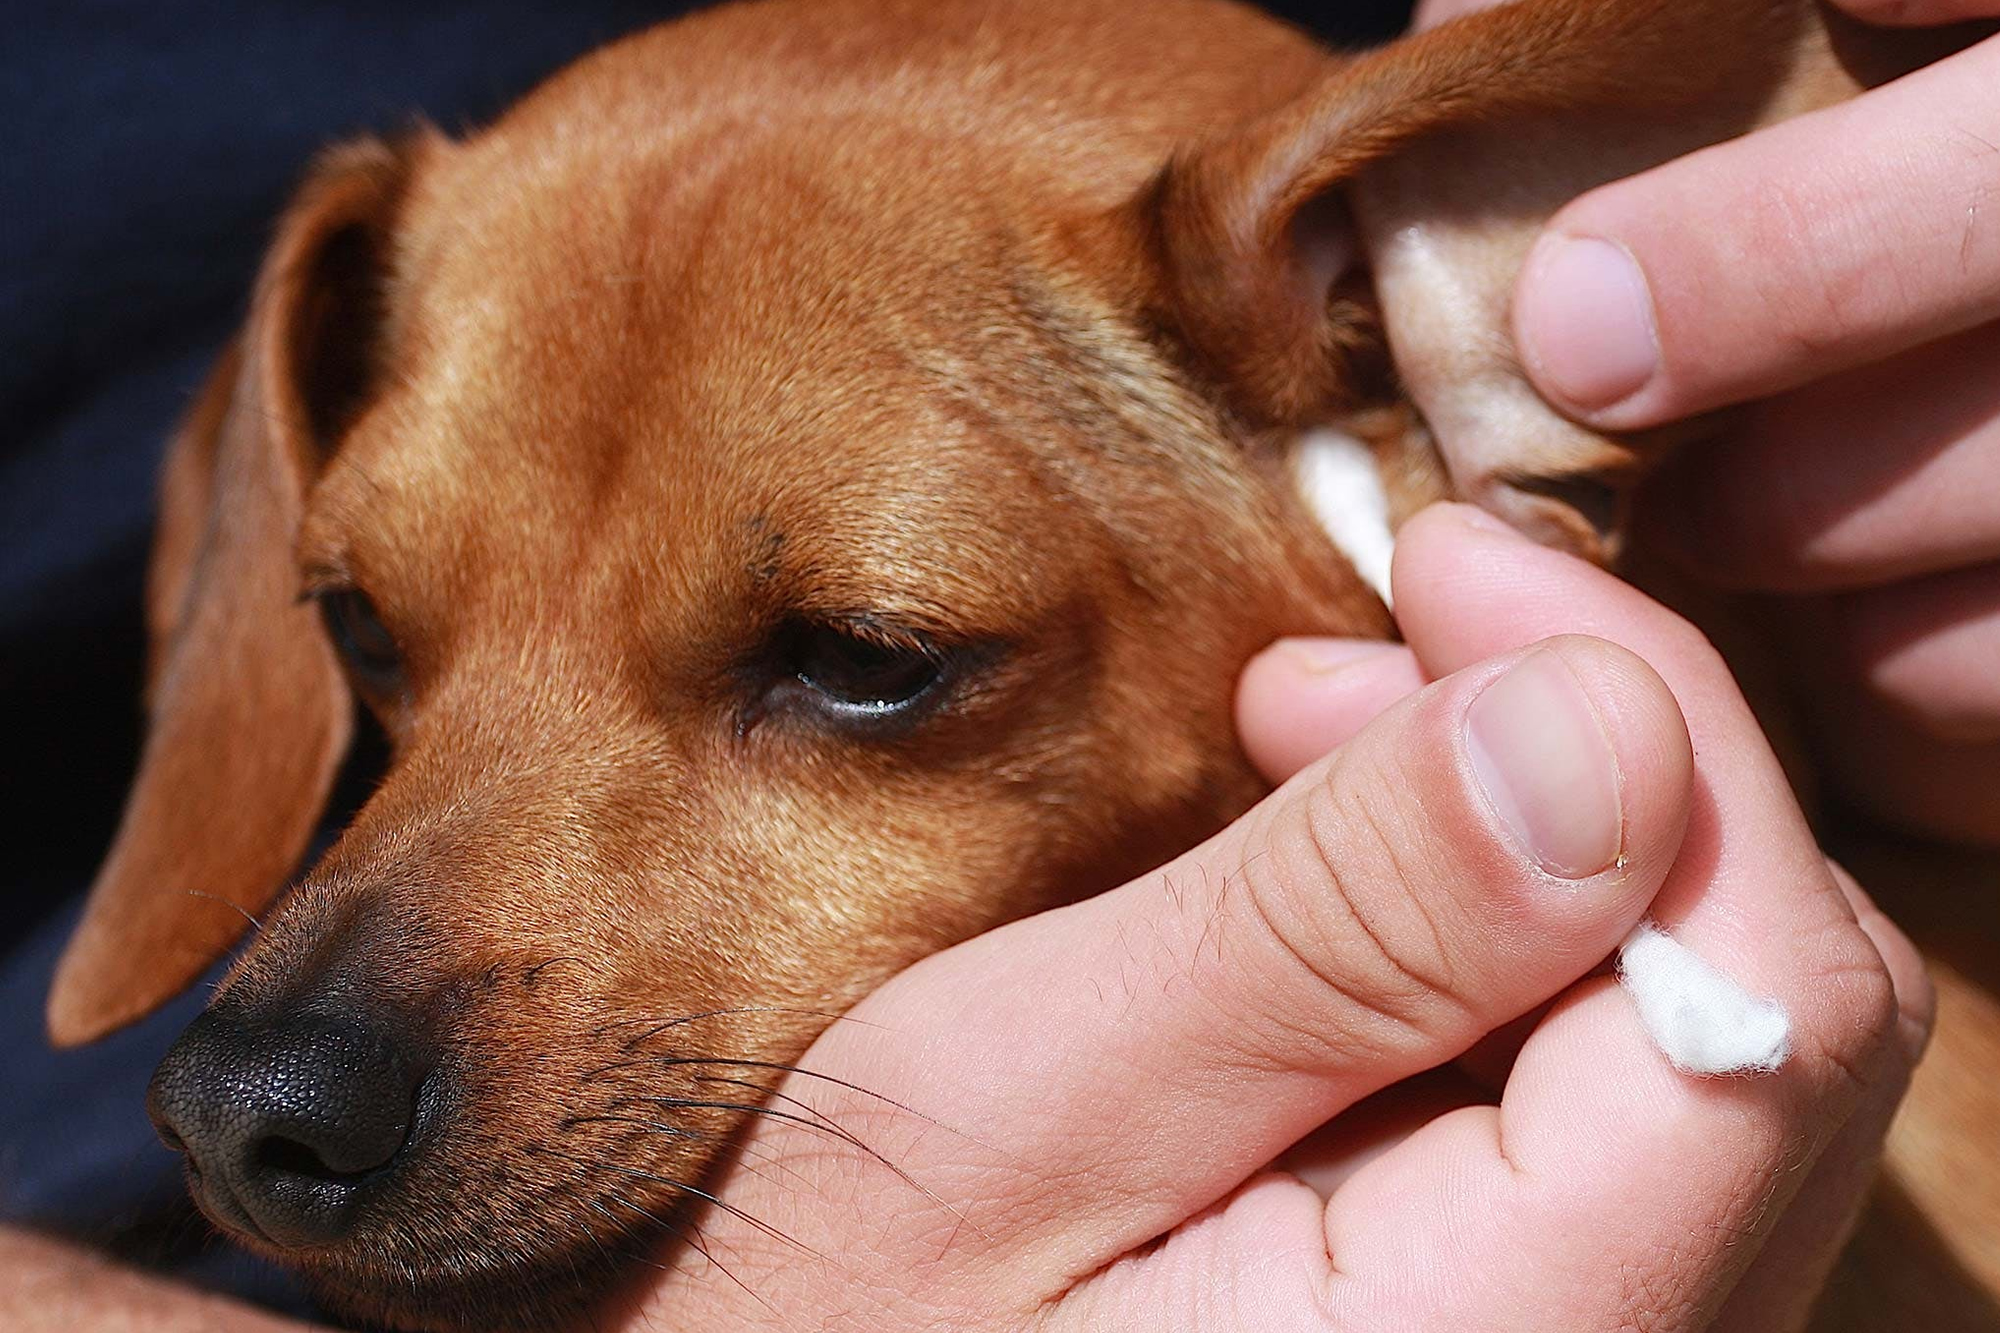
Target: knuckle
<point x="1349" y="906"/>
<point x="1853" y="1049"/>
<point x="1806" y="283"/>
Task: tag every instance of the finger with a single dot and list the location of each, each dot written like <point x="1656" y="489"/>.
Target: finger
<point x="1827" y="241"/>
<point x="1881" y="474"/>
<point x="1778" y="1292"/>
<point x="1606" y="1184"/>
<point x="1339" y="1148"/>
<point x="1928" y="648"/>
<point x="1919" y="13"/>
<point x="1301" y="698"/>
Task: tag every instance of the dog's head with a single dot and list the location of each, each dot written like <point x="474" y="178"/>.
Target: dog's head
<point x="795" y="493"/>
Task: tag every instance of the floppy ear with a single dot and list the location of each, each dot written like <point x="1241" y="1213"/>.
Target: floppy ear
<point x="249" y="714"/>
<point x="1388" y="208"/>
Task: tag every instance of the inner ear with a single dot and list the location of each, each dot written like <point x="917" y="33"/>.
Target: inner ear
<point x="335" y="350"/>
<point x="1262" y="280"/>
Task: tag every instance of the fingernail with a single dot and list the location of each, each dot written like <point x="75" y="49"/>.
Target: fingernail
<point x="1541" y="754"/>
<point x="1586" y="321"/>
<point x="1323" y="657"/>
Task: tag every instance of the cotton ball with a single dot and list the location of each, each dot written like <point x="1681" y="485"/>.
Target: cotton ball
<point x="1700" y="1019"/>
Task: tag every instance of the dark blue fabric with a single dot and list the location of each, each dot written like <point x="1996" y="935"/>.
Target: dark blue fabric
<point x="145" y="148"/>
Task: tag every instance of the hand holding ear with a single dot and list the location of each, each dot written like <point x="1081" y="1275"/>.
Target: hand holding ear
<point x="1065" y="1123"/>
<point x="1847" y="261"/>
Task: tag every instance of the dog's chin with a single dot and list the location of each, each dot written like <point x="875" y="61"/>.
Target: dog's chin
<point x="575" y="1289"/>
<point x="469" y="1285"/>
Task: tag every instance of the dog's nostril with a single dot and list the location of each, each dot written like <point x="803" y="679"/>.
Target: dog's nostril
<point x="282" y="1156"/>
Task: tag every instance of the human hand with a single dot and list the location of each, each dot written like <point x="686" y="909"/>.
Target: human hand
<point x="1847" y="261"/>
<point x="1064" y="1123"/>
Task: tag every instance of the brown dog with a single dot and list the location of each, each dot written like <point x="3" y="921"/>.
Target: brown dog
<point x="796" y="492"/>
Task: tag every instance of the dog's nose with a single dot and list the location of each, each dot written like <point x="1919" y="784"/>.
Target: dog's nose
<point x="286" y="1121"/>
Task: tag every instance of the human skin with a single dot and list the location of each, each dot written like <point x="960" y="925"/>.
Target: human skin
<point x="1080" y="1107"/>
<point x="1843" y="267"/>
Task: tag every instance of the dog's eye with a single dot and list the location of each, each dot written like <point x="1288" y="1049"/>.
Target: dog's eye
<point x="864" y="677"/>
<point x="362" y="640"/>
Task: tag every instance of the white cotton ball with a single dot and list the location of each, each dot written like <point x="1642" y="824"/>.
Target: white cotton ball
<point x="1342" y="485"/>
<point x="1700" y="1019"/>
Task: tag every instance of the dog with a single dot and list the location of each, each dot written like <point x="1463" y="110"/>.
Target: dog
<point x="795" y="493"/>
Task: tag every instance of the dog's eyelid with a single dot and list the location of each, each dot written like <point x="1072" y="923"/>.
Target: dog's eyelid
<point x="888" y="633"/>
<point x="323" y="578"/>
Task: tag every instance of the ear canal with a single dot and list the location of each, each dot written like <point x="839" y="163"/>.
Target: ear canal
<point x="248" y="714"/>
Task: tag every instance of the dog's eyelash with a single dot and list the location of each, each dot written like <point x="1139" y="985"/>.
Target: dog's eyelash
<point x="317" y="581"/>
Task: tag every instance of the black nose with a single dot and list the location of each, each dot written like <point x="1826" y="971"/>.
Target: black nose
<point x="286" y="1121"/>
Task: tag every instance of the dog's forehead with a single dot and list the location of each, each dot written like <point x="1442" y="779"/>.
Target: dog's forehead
<point x="722" y="317"/>
<point x="745" y="283"/>
<point x="666" y="409"/>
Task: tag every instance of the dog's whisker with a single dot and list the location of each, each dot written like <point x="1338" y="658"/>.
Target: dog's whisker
<point x="832" y="1126"/>
<point x="747" y="1154"/>
<point x="610" y="1260"/>
<point x="730" y="1208"/>
<point x="617" y="1229"/>
<point x="696" y="1104"/>
<point x="820" y="1124"/>
<point x="806" y="1107"/>
<point x="696" y="1244"/>
<point x="781" y="1067"/>
<point x="584" y="1223"/>
<point x="576" y="1274"/>
<point x="679" y="1229"/>
<point x="529" y="977"/>
<point x="657" y="1026"/>
<point x="624" y="1252"/>
<point x="256" y="926"/>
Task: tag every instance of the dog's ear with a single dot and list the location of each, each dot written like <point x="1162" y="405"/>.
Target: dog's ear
<point x="249" y="715"/>
<point x="1388" y="206"/>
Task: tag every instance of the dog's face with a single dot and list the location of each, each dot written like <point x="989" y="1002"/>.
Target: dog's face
<point x="795" y="493"/>
<point x="772" y="553"/>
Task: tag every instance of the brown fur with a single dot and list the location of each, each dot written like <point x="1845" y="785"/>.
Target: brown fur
<point x="985" y="323"/>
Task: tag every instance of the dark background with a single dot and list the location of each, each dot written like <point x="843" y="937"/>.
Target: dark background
<point x="146" y="146"/>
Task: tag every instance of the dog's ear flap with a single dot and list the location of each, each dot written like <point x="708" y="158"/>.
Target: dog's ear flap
<point x="1266" y="251"/>
<point x="249" y="715"/>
